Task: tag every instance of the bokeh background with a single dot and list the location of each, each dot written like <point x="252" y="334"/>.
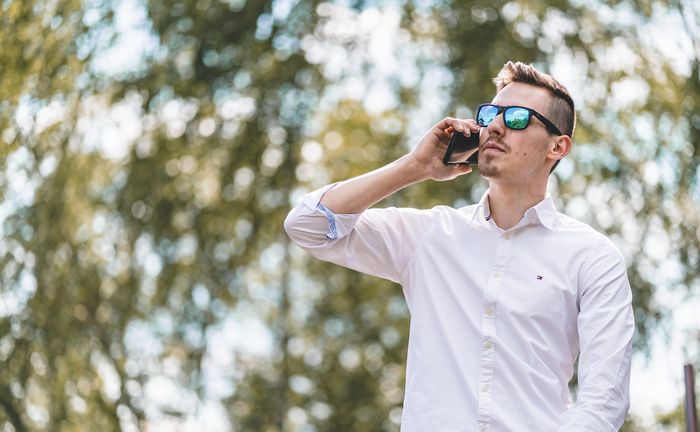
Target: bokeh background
<point x="150" y="150"/>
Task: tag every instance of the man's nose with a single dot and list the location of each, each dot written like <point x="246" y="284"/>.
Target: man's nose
<point x="497" y="127"/>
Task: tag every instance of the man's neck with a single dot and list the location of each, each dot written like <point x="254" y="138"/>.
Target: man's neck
<point x="508" y="204"/>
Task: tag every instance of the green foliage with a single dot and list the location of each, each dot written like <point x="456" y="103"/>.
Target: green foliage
<point x="673" y="420"/>
<point x="142" y="208"/>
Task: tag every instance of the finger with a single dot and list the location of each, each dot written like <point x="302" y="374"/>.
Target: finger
<point x="473" y="125"/>
<point x="469" y="126"/>
<point x="463" y="169"/>
<point x="444" y="135"/>
<point x="447" y="122"/>
<point x="447" y="126"/>
<point x="464" y="126"/>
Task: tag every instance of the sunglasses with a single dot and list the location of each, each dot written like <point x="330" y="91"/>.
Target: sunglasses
<point x="514" y="117"/>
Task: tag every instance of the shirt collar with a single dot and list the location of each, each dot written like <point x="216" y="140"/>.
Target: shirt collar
<point x="482" y="208"/>
<point x="544" y="211"/>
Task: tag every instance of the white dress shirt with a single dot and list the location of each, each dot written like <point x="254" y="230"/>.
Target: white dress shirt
<point x="498" y="317"/>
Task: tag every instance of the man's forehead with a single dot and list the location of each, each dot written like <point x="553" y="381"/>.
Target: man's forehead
<point x="523" y="94"/>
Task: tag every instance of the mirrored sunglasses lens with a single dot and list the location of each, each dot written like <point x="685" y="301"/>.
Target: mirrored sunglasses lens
<point x="486" y="115"/>
<point x="517" y="118"/>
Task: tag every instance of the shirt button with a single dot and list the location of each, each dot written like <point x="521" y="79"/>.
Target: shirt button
<point x="487" y="345"/>
<point x="484" y="428"/>
<point x="489" y="310"/>
<point x="506" y="236"/>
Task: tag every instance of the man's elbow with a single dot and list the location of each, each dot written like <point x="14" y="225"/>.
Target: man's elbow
<point x="291" y="225"/>
<point x="306" y="231"/>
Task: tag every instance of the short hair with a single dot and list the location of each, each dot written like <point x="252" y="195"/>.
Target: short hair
<point x="561" y="109"/>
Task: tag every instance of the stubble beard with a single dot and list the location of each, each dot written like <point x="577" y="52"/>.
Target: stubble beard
<point x="487" y="168"/>
<point x="487" y="164"/>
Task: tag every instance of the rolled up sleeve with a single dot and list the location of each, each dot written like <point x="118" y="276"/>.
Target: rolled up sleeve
<point x="311" y="224"/>
<point x="605" y="328"/>
<point x="378" y="242"/>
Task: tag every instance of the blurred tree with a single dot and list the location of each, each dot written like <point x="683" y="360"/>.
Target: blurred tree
<point x="144" y="196"/>
<point x="121" y="261"/>
<point x="48" y="378"/>
<point x="673" y="420"/>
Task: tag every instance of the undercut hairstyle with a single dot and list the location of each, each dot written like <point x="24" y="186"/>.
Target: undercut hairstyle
<point x="561" y="109"/>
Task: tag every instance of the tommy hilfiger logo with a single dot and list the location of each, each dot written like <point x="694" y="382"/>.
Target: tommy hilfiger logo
<point x="539" y="277"/>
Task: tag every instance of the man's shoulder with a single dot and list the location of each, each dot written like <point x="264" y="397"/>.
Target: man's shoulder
<point x="566" y="222"/>
<point x="586" y="235"/>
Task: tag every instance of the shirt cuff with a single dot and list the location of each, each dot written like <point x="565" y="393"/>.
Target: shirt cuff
<point x="339" y="225"/>
<point x="332" y="230"/>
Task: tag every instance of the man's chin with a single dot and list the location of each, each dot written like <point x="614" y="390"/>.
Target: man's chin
<point x="488" y="169"/>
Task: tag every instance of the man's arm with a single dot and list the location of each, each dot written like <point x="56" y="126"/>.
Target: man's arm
<point x="335" y="225"/>
<point x="424" y="162"/>
<point x="605" y="327"/>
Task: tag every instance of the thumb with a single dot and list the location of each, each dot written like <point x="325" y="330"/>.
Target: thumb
<point x="462" y="169"/>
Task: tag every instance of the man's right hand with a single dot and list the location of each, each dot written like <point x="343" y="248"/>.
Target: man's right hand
<point x="357" y="194"/>
<point x="432" y="147"/>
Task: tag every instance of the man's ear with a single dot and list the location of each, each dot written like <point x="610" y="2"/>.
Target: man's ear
<point x="560" y="147"/>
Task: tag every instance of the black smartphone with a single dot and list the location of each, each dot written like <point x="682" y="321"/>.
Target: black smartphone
<point x="460" y="149"/>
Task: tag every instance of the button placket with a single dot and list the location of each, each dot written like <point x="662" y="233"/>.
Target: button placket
<point x="488" y="327"/>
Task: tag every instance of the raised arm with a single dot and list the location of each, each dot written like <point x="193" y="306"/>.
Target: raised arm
<point x="335" y="225"/>
<point x="424" y="162"/>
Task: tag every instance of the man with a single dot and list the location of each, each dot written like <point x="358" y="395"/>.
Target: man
<point x="504" y="294"/>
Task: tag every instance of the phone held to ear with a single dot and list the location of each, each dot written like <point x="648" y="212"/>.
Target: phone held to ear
<point x="461" y="149"/>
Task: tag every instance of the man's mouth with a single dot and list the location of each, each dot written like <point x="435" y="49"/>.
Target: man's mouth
<point x="492" y="147"/>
